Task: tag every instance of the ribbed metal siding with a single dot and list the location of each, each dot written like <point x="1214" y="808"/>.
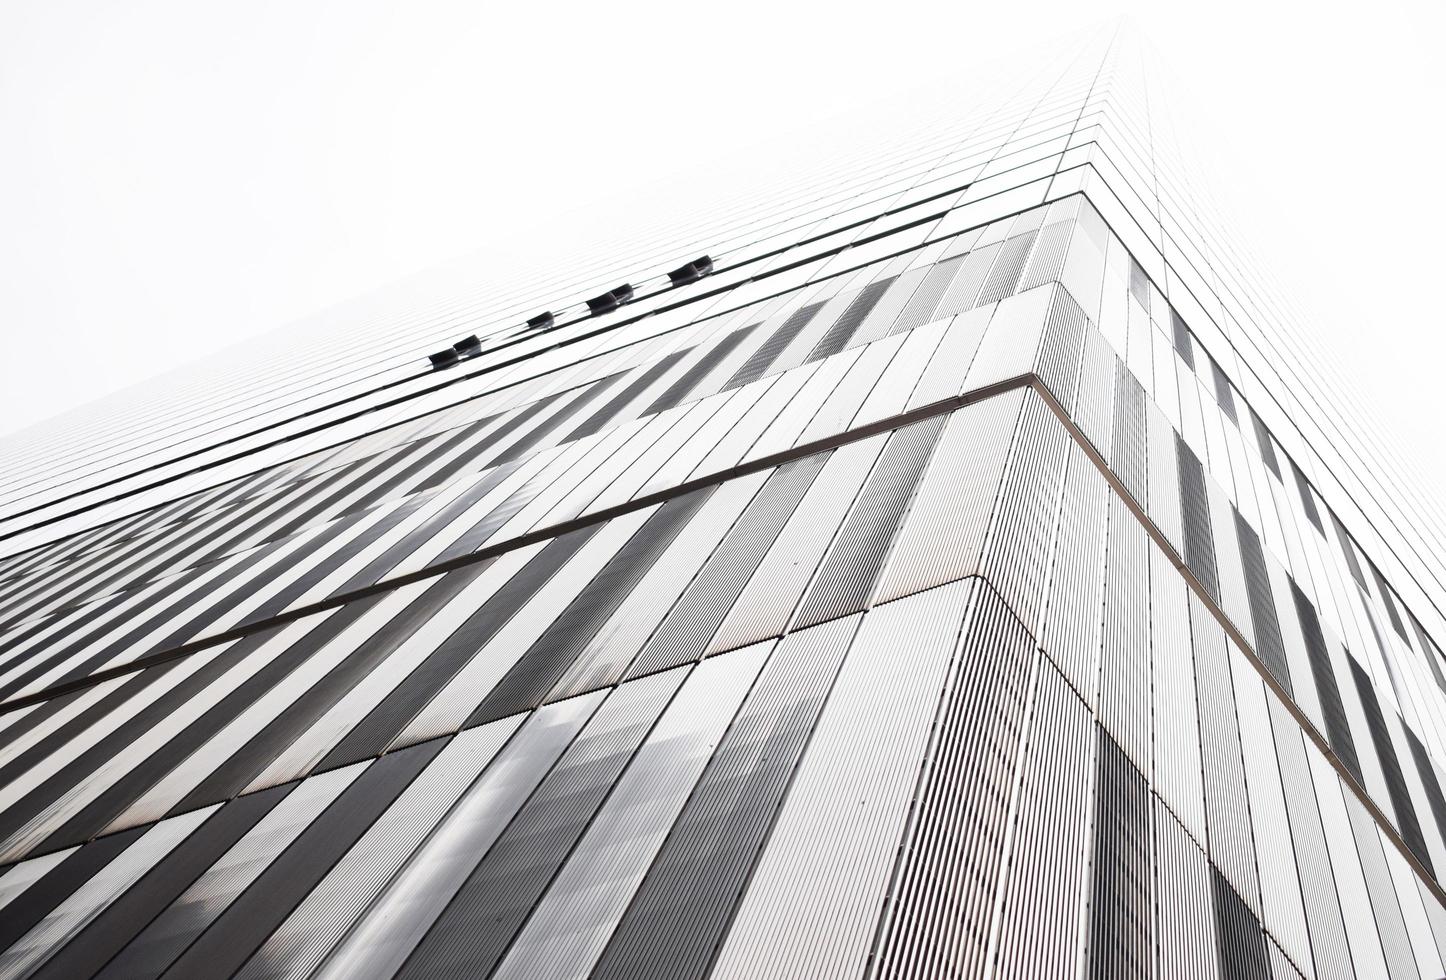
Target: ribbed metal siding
<point x="676" y="919"/>
<point x="1058" y="361"/>
<point x="1184" y="345"/>
<point x="1329" y="949"/>
<point x="1121" y="935"/>
<point x="568" y="930"/>
<point x="1338" y="729"/>
<point x="943" y="535"/>
<point x="1177" y="765"/>
<point x="1004" y="276"/>
<point x="1039" y="932"/>
<point x="524" y="686"/>
<point x="712" y="356"/>
<point x="1242" y="944"/>
<point x="684" y="634"/>
<point x="963" y="291"/>
<point x="921" y="306"/>
<point x="1071" y="628"/>
<point x="846" y="580"/>
<point x="473" y="932"/>
<point x="767" y="603"/>
<point x="812" y="904"/>
<point x="1184" y="920"/>
<point x="762" y="359"/>
<point x="382" y="939"/>
<point x="1406" y="820"/>
<point x="1125" y="654"/>
<point x="1385" y="906"/>
<point x="842" y="330"/>
<point x="1227" y="808"/>
<point x="302" y="941"/>
<point x="950" y="861"/>
<point x="1268" y="644"/>
<point x="1195" y="509"/>
<point x="1127" y="443"/>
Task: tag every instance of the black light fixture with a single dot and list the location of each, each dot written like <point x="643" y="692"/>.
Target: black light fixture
<point x="610" y="300"/>
<point x="691" y="272"/>
<point x="543" y="321"/>
<point x="468" y="346"/>
<point x="443" y="359"/>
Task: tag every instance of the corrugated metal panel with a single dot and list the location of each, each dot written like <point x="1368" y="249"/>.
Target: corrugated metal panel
<point x="1187" y="942"/>
<point x="1195" y="508"/>
<point x="1040" y="923"/>
<point x="1242" y="944"/>
<point x="943" y="535"/>
<point x="453" y="706"/>
<point x="1071" y="626"/>
<point x="477" y="926"/>
<point x="877" y="324"/>
<point x="609" y="412"/>
<point x="1281" y="909"/>
<point x="173" y="874"/>
<point x="1127" y="443"/>
<point x="610" y="652"/>
<point x="1177" y="772"/>
<point x="48" y="881"/>
<point x="1016" y="552"/>
<point x="767" y="603"/>
<point x="684" y="634"/>
<point x="1430" y="782"/>
<point x="1057" y="363"/>
<point x="256" y="912"/>
<point x="1010" y="347"/>
<point x="303" y="940"/>
<point x="682" y="389"/>
<point x="1227" y="808"/>
<point x="91" y="896"/>
<point x="948" y="365"/>
<point x="394" y="924"/>
<point x="964" y="290"/>
<point x="842" y="330"/>
<point x="1268" y="644"/>
<point x="1338" y="729"/>
<point x="672" y="927"/>
<point x="762" y="359"/>
<point x="552" y="654"/>
<point x="1405" y="811"/>
<point x="571" y="924"/>
<point x="1125" y="651"/>
<point x="1384" y="905"/>
<point x="926" y="298"/>
<point x="1234" y="596"/>
<point x="1184" y="344"/>
<point x="950" y="861"/>
<point x="1095" y="402"/>
<point x="846" y="580"/>
<point x="1329" y="950"/>
<point x="811" y="906"/>
<point x="1004" y="276"/>
<point x="1121" y="934"/>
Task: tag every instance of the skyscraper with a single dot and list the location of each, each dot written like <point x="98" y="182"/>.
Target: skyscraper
<point x="948" y="564"/>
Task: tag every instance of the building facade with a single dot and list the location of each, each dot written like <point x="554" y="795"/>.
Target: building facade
<point x="944" y="566"/>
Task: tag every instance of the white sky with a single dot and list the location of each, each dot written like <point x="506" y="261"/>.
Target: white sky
<point x="177" y="176"/>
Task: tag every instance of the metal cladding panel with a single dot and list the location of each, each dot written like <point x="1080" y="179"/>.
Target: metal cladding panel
<point x="1094" y="405"/>
<point x="1058" y="361"/>
<point x="684" y="634"/>
<point x="1021" y="532"/>
<point x="172" y="874"/>
<point x="812" y="904"/>
<point x="477" y="926"/>
<point x="926" y="299"/>
<point x="1040" y="932"/>
<point x="951" y="857"/>
<point x="1121" y="934"/>
<point x="1281" y="908"/>
<point x="618" y="641"/>
<point x="712" y="355"/>
<point x="678" y="915"/>
<point x="1237" y="929"/>
<point x="1337" y="727"/>
<point x="1385" y="906"/>
<point x="766" y="605"/>
<point x="1269" y="646"/>
<point x="1071" y="627"/>
<point x="397" y="920"/>
<point x="944" y="375"/>
<point x="90" y="897"/>
<point x="302" y="941"/>
<point x="1400" y="796"/>
<point x="841" y="331"/>
<point x="1195" y="508"/>
<point x="1227" y="808"/>
<point x="1127" y="441"/>
<point x="1011" y="345"/>
<point x="553" y="653"/>
<point x="964" y="290"/>
<point x="571" y="924"/>
<point x="1177" y="764"/>
<point x="1125" y="653"/>
<point x="1187" y="942"/>
<point x="847" y="577"/>
<point x="944" y="532"/>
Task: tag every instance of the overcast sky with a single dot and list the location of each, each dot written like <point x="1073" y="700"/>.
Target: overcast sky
<point x="176" y="176"/>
